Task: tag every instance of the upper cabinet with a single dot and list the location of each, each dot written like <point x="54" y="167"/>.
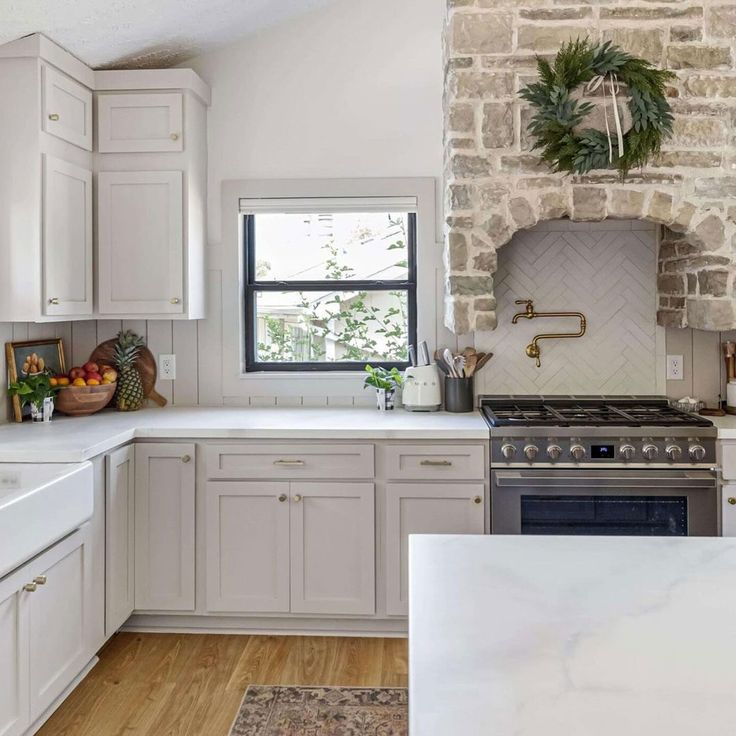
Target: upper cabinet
<point x="140" y="123"/>
<point x="149" y="157"/>
<point x="67" y="108"/>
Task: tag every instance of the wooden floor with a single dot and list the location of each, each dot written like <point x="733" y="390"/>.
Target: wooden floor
<point x="192" y="684"/>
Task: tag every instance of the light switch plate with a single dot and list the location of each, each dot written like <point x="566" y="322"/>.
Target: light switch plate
<point x="167" y="367"/>
<point x="674" y="368"/>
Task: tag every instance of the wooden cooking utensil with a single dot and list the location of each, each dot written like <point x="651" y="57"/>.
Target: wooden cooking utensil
<point x="145" y="365"/>
<point x="471" y="361"/>
<point x="482" y="361"/>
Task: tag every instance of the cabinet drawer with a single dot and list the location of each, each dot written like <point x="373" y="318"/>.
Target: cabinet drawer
<point x="139" y="123"/>
<point x="286" y="460"/>
<point x="67" y="109"/>
<point x="430" y="462"/>
<point x="728" y="459"/>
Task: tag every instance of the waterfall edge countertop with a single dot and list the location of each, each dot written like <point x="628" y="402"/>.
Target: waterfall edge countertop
<point x="68" y="440"/>
<point x="571" y="636"/>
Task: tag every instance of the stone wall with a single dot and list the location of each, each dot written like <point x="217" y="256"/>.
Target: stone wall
<point x="496" y="185"/>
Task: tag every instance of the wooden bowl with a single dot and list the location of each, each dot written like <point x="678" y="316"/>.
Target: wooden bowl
<point x="80" y="401"/>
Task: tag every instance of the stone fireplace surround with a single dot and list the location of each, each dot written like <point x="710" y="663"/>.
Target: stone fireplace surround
<point x="496" y="185"/>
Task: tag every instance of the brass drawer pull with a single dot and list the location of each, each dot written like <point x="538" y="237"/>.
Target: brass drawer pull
<point x="174" y="136"/>
<point x="53" y="300"/>
<point x="732" y="501"/>
<point x="40" y="579"/>
<point x="283" y="497"/>
<point x="437" y="463"/>
<point x="54" y="117"/>
<point x="297" y="498"/>
<point x="30" y="587"/>
<point x="174" y="300"/>
<point x="477" y="499"/>
<point x="186" y="458"/>
<point x="289" y="462"/>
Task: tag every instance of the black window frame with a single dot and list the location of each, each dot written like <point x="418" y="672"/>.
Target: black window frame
<point x="253" y="286"/>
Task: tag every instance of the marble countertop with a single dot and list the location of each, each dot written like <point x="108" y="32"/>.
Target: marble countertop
<point x="69" y="440"/>
<point x="572" y="636"/>
<point x="726" y="426"/>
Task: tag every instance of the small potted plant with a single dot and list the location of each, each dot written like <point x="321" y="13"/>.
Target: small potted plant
<point x="385" y="382"/>
<point x="37" y="391"/>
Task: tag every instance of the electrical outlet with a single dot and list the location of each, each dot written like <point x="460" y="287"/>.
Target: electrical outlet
<point x="674" y="368"/>
<point x="167" y="367"/>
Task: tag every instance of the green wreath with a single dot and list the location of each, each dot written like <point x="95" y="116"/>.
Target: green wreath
<point x="600" y="67"/>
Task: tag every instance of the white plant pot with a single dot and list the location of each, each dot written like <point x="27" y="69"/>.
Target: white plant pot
<point x="385" y="399"/>
<point x="44" y="412"/>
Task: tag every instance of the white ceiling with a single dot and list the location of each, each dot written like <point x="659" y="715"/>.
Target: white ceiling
<point x="144" y="33"/>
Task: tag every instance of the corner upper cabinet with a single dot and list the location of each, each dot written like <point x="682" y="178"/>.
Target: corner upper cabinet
<point x="140" y="123"/>
<point x="67" y="108"/>
<point x="140" y="242"/>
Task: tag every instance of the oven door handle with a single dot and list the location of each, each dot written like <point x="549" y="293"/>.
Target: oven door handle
<point x="675" y="479"/>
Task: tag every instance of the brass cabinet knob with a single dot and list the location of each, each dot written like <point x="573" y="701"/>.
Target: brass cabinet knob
<point x="186" y="458"/>
<point x="174" y="300"/>
<point x="53" y="300"/>
<point x="30" y="587"/>
<point x="477" y="499"/>
<point x="53" y="116"/>
<point x="174" y="136"/>
<point x="732" y="501"/>
<point x="297" y="498"/>
<point x="283" y="497"/>
<point x="40" y="579"/>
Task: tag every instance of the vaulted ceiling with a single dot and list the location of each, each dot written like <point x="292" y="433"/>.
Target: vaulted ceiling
<point x="144" y="33"/>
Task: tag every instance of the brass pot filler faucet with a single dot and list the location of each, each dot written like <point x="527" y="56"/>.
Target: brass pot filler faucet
<point x="532" y="349"/>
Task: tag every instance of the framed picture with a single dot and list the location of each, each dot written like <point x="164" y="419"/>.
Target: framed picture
<point x="32" y="357"/>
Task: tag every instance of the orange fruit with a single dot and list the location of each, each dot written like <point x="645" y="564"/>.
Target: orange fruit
<point x="79" y="382"/>
<point x="93" y="382"/>
<point x="62" y="381"/>
<point x="53" y="381"/>
<point x="106" y="381"/>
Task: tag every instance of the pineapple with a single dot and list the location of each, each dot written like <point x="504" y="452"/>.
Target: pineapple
<point x="129" y="393"/>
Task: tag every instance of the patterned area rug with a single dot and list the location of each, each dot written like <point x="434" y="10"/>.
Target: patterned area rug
<point x="322" y="711"/>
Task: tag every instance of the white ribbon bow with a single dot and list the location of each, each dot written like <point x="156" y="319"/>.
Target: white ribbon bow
<point x="594" y="85"/>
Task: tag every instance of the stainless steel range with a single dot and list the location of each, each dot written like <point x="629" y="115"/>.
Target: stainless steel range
<point x="601" y="465"/>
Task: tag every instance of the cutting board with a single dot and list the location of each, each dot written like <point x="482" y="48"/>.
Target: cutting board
<point x="145" y="365"/>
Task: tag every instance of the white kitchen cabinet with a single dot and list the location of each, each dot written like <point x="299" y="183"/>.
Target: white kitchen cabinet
<point x="14" y="706"/>
<point x="728" y="510"/>
<point x="164" y="526"/>
<point x="332" y="548"/>
<point x="422" y="508"/>
<point x="67" y="238"/>
<point x="140" y="242"/>
<point x="59" y="618"/>
<point x="247" y="528"/>
<point x="138" y="123"/>
<point x="119" y="537"/>
<point x="67" y="108"/>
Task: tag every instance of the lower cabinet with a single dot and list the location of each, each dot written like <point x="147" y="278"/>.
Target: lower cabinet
<point x="300" y="547"/>
<point x="728" y="511"/>
<point x="164" y="527"/>
<point x="45" y="608"/>
<point x="421" y="508"/>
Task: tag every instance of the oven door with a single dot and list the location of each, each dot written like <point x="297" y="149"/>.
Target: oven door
<point x="628" y="502"/>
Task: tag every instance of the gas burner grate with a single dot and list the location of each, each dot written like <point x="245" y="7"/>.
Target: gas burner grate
<point x="598" y="412"/>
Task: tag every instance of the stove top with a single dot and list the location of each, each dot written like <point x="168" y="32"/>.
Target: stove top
<point x="586" y="411"/>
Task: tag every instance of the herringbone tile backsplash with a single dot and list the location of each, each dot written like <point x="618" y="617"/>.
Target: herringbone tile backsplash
<point x="607" y="271"/>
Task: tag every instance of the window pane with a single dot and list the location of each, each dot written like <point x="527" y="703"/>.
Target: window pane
<point x="300" y="327"/>
<point x="339" y="245"/>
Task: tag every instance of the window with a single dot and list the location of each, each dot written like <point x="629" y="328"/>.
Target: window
<point x="330" y="284"/>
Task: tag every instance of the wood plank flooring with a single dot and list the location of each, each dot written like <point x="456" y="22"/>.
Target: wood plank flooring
<point x="192" y="684"/>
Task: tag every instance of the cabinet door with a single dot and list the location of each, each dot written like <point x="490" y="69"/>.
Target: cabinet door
<point x="417" y="508"/>
<point x="67" y="238"/>
<point x="247" y="547"/>
<point x="164" y="527"/>
<point x="140" y="242"/>
<point x="14" y="708"/>
<point x="120" y="539"/>
<point x="728" y="510"/>
<point x="139" y="122"/>
<point x="58" y="619"/>
<point x="332" y="548"/>
<point x="67" y="109"/>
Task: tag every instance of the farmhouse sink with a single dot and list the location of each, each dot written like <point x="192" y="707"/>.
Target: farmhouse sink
<point x="40" y="504"/>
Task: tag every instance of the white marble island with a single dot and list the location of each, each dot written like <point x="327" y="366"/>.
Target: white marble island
<point x="572" y="636"/>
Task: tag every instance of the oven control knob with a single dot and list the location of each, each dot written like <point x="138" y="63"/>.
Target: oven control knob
<point x="577" y="452"/>
<point x="627" y="452"/>
<point x="673" y="452"/>
<point x="508" y="451"/>
<point x="697" y="453"/>
<point x="531" y="452"/>
<point x="554" y="452"/>
<point x="650" y="452"/>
